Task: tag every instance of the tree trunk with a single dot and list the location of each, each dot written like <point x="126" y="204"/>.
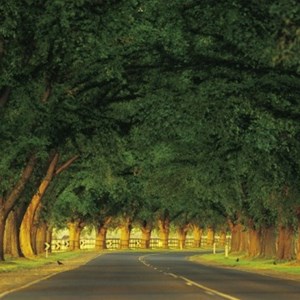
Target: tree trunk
<point x="254" y="248"/>
<point x="37" y="226"/>
<point x="164" y="230"/>
<point x="285" y="249"/>
<point x="75" y="229"/>
<point x="11" y="236"/>
<point x="210" y="236"/>
<point x="7" y="204"/>
<point x="8" y="237"/>
<point x="197" y="234"/>
<point x="298" y="245"/>
<point x="41" y="238"/>
<point x="101" y="234"/>
<point x="101" y="238"/>
<point x="298" y="235"/>
<point x="27" y="222"/>
<point x="182" y="232"/>
<point x="2" y="229"/>
<point x="28" y="219"/>
<point x="244" y="242"/>
<point x="236" y="233"/>
<point x="268" y="242"/>
<point x="72" y="236"/>
<point x="146" y="235"/>
<point x="125" y="233"/>
<point x="222" y="238"/>
<point x="49" y="235"/>
<point x="77" y="238"/>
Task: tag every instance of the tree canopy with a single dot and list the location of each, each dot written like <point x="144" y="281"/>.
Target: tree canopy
<point x="187" y="106"/>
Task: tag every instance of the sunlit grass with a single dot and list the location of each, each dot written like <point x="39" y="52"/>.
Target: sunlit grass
<point x="289" y="267"/>
<point x="14" y="264"/>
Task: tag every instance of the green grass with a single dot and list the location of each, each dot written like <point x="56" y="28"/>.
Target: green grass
<point x="251" y="264"/>
<point x="15" y="264"/>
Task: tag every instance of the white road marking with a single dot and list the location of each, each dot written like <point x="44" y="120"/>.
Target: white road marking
<point x="38" y="280"/>
<point x="208" y="290"/>
<point x="171" y="274"/>
<point x="192" y="283"/>
<point x="26" y="285"/>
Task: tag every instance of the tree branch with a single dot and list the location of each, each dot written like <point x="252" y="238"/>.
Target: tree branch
<point x="66" y="165"/>
<point x="19" y="187"/>
<point x="46" y="93"/>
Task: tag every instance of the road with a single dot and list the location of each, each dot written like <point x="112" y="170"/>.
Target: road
<point x="165" y="275"/>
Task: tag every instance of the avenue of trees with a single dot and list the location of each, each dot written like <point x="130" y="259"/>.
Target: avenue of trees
<point x="149" y="114"/>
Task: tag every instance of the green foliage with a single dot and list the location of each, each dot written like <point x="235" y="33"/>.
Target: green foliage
<point x="186" y="107"/>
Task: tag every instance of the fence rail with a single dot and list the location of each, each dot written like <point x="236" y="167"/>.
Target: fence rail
<point x="134" y="243"/>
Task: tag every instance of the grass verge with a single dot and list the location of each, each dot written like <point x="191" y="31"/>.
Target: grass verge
<point x="251" y="264"/>
<point x="15" y="264"/>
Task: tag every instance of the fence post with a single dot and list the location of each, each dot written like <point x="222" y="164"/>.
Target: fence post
<point x="226" y="250"/>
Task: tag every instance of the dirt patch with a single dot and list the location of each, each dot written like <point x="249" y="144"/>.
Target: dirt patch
<point x="16" y="279"/>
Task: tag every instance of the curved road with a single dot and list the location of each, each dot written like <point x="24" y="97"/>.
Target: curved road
<point x="165" y="275"/>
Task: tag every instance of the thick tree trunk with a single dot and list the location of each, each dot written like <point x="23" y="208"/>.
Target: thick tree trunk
<point x="146" y="235"/>
<point x="197" y="235"/>
<point x="254" y="248"/>
<point x="33" y="238"/>
<point x="41" y="238"/>
<point x="8" y="238"/>
<point x="236" y="234"/>
<point x="125" y="229"/>
<point x="164" y="230"/>
<point x="36" y="236"/>
<point x="11" y="236"/>
<point x="72" y="236"/>
<point x="298" y="246"/>
<point x="101" y="238"/>
<point x="27" y="222"/>
<point x="210" y="236"/>
<point x="182" y="232"/>
<point x="77" y="238"/>
<point x="222" y="238"/>
<point x="7" y="204"/>
<point x="298" y="236"/>
<point x="101" y="234"/>
<point x="244" y="243"/>
<point x="2" y="229"/>
<point x="75" y="229"/>
<point x="26" y="230"/>
<point x="268" y="242"/>
<point x="49" y="234"/>
<point x="297" y="241"/>
<point x="285" y="249"/>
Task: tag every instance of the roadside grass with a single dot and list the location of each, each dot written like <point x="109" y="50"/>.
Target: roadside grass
<point x="15" y="264"/>
<point x="251" y="264"/>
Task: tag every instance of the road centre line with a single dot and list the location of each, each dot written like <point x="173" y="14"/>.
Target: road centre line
<point x="191" y="282"/>
<point x="208" y="290"/>
<point x="171" y="274"/>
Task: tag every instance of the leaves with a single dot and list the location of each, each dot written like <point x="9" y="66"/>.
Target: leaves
<point x="187" y="107"/>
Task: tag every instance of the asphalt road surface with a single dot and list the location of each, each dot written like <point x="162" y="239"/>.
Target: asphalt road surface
<point x="139" y="276"/>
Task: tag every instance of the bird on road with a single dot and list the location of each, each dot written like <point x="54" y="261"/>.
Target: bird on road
<point x="59" y="262"/>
